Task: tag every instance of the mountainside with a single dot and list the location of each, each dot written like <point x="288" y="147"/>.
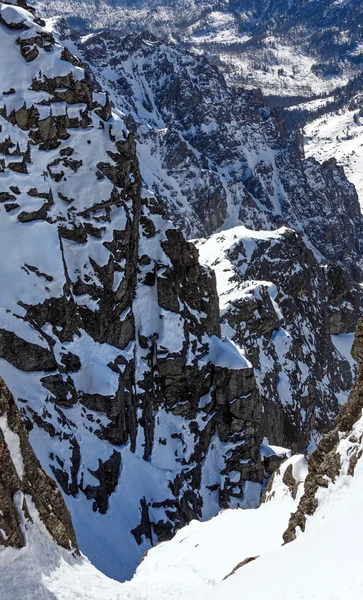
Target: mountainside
<point x="147" y="381"/>
<point x="230" y="160"/>
<point x="114" y="356"/>
<point x="109" y="326"/>
<point x="219" y="158"/>
<point x="291" y="49"/>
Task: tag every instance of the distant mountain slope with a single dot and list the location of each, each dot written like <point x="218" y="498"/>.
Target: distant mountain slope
<point x="296" y="49"/>
<point x="339" y="133"/>
<point x="219" y="158"/>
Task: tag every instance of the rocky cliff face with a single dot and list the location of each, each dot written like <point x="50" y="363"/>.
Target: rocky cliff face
<point x="22" y="480"/>
<point x="218" y="158"/>
<point x="338" y="452"/>
<point x="279" y="304"/>
<point x="109" y="332"/>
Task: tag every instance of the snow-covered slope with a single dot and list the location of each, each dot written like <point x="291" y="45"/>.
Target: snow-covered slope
<point x="281" y="307"/>
<point x="340" y="134"/>
<point x="323" y="563"/>
<point x="219" y="158"/>
<point x="238" y="554"/>
<point x="295" y="49"/>
<point x="44" y="571"/>
<point x="109" y="327"/>
<point x="110" y="333"/>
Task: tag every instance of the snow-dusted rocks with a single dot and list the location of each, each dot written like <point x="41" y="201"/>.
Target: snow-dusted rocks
<point x="281" y="307"/>
<point x="23" y="481"/>
<point x="338" y="453"/>
<point x="109" y="327"/>
<point x="216" y="157"/>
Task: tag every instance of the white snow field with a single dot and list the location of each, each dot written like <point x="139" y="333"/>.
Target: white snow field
<point x="339" y="134"/>
<point x="193" y="562"/>
<point x="324" y="563"/>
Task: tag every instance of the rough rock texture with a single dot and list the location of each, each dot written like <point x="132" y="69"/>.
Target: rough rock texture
<point x="218" y="157"/>
<point x="282" y="307"/>
<point x="327" y="462"/>
<point x="22" y="478"/>
<point x="109" y="325"/>
<point x="253" y="41"/>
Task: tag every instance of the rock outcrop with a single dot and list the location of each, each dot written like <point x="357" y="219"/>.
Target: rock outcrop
<point x="22" y="479"/>
<point x="338" y="452"/>
<point x="284" y="309"/>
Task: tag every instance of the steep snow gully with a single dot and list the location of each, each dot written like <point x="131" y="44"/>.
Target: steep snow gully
<point x="178" y="419"/>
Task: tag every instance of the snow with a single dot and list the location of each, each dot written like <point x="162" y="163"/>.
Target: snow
<point x="343" y="343"/>
<point x="339" y="134"/>
<point x="94" y="377"/>
<point x="278" y="64"/>
<point x="324" y="562"/>
<point x="12" y="441"/>
<point x="224" y="353"/>
<point x="187" y="566"/>
<point x="14" y="15"/>
<point x="202" y="554"/>
<point x="269" y="450"/>
<point x="277" y="67"/>
<point x="41" y="570"/>
<point x="214" y="252"/>
<point x="43" y="266"/>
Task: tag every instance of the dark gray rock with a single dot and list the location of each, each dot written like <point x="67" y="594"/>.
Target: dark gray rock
<point x="33" y="481"/>
<point x="325" y="463"/>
